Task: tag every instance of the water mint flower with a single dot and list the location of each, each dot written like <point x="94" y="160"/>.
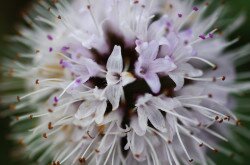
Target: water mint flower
<point x="122" y="82"/>
<point x="149" y="65"/>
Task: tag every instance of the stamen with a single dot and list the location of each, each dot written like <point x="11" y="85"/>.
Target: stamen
<point x="186" y="20"/>
<point x="37" y="81"/>
<point x="168" y="154"/>
<point x="212" y="79"/>
<point x="215" y="134"/>
<point x="110" y="151"/>
<point x="158" y="133"/>
<point x="204" y="108"/>
<point x="50" y="126"/>
<point x="113" y="157"/>
<point x="70" y="154"/>
<point x="154" y="154"/>
<point x="191" y="135"/>
<point x="179" y="15"/>
<point x="82" y="157"/>
<point x="44" y="20"/>
<point x="51" y="79"/>
<point x="89" y="135"/>
<point x="45" y="136"/>
<point x="56" y="100"/>
<point x="46" y="153"/>
<point x="82" y="160"/>
<point x="33" y="93"/>
<point x="55" y="131"/>
<point x="66" y="104"/>
<point x="173" y="155"/>
<point x="182" y="144"/>
<point x="195" y="8"/>
<point x="93" y="17"/>
<point x="18" y="98"/>
<point x="177" y="115"/>
<point x="90" y="155"/>
<point x="72" y="83"/>
<point x="193" y="97"/>
<point x="203" y="37"/>
<point x="50" y="37"/>
<point x="214" y="66"/>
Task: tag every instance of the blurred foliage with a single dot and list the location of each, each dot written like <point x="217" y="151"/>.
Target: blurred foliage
<point x="10" y="15"/>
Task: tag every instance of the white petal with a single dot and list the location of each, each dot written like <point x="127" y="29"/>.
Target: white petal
<point x="178" y="79"/>
<point x="107" y="140"/>
<point x="92" y="66"/>
<point x="113" y="94"/>
<point x="85" y="122"/>
<point x="142" y="118"/>
<point x="140" y="46"/>
<point x="190" y="70"/>
<point x="106" y="144"/>
<point x="115" y="63"/>
<point x="162" y="65"/>
<point x="137" y="144"/>
<point x="86" y="109"/>
<point x="135" y="125"/>
<point x="153" y="81"/>
<point x="99" y="115"/>
<point x="77" y="134"/>
<point x="80" y="70"/>
<point x="112" y="116"/>
<point x="170" y="121"/>
<point x="151" y="51"/>
<point x="129" y="137"/>
<point x="166" y="103"/>
<point x="155" y="117"/>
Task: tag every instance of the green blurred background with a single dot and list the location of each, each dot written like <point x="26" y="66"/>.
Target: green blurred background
<point x="10" y="15"/>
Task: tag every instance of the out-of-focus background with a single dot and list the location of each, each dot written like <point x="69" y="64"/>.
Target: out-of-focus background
<point x="10" y="15"/>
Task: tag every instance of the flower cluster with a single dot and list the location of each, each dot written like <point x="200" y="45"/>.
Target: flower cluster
<point x="124" y="82"/>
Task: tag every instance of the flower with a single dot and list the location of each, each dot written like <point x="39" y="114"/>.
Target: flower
<point x="124" y="82"/>
<point x="148" y="66"/>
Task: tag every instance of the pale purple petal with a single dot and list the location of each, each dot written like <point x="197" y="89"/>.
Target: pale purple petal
<point x="140" y="67"/>
<point x="165" y="104"/>
<point x="170" y="121"/>
<point x="115" y="63"/>
<point x="84" y="123"/>
<point x="135" y="125"/>
<point x="155" y="117"/>
<point x="142" y="118"/>
<point x="113" y="94"/>
<point x="190" y="70"/>
<point x="178" y="80"/>
<point x="80" y="70"/>
<point x="148" y="52"/>
<point x="107" y="140"/>
<point x="140" y="46"/>
<point x="100" y="110"/>
<point x="153" y="81"/>
<point x="92" y="66"/>
<point x="106" y="144"/>
<point x="86" y="109"/>
<point x="137" y="145"/>
<point x="162" y="65"/>
<point x="112" y="116"/>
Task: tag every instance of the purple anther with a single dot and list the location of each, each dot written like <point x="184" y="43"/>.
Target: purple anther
<point x="195" y="8"/>
<point x="202" y="37"/>
<point x="50" y="37"/>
